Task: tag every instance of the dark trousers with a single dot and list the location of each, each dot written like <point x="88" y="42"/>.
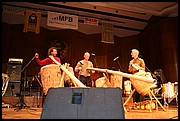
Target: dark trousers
<point x="87" y="81"/>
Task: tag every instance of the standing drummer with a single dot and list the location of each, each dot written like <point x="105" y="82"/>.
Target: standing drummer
<point x="140" y="64"/>
<point x="84" y="74"/>
<point x="51" y="52"/>
<point x="137" y="61"/>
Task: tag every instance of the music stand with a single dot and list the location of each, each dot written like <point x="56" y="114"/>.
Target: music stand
<point x="21" y="95"/>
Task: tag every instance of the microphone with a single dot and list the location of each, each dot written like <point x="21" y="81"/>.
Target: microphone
<point x="36" y="55"/>
<point x="140" y="56"/>
<point x="92" y="54"/>
<point x="115" y="58"/>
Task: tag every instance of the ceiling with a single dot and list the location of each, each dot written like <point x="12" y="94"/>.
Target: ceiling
<point x="128" y="18"/>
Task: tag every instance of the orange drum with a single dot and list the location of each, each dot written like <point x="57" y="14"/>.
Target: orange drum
<point x="103" y="82"/>
<point x="142" y="87"/>
<point x="116" y="80"/>
<point x="50" y="76"/>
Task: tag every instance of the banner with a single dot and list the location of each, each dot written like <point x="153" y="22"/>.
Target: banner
<point x="13" y="10"/>
<point x="107" y="33"/>
<point x="60" y="20"/>
<point x="91" y="21"/>
<point x="32" y="21"/>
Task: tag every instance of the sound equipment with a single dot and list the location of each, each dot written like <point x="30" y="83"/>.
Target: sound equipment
<point x="13" y="89"/>
<point x="83" y="103"/>
<point x="14" y="72"/>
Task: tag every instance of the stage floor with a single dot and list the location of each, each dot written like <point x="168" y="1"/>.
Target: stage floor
<point x="35" y="113"/>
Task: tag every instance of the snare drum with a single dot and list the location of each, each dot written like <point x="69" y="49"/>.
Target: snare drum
<point x="168" y="90"/>
<point x="50" y="76"/>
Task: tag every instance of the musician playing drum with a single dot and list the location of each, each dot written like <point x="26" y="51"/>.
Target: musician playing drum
<point x="139" y="62"/>
<point x="47" y="61"/>
<point x="135" y="65"/>
<point x="51" y="52"/>
<point x="84" y="74"/>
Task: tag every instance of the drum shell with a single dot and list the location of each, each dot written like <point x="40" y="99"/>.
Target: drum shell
<point x="103" y="82"/>
<point x="50" y="77"/>
<point x="142" y="87"/>
<point x="116" y="81"/>
<point x="127" y="87"/>
<point x="168" y="90"/>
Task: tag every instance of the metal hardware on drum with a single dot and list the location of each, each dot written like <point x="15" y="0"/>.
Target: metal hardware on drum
<point x="170" y="91"/>
<point x="127" y="87"/>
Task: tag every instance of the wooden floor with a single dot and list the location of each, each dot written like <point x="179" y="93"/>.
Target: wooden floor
<point x="35" y="113"/>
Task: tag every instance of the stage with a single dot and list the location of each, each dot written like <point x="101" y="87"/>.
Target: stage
<point x="33" y="112"/>
<point x="171" y="113"/>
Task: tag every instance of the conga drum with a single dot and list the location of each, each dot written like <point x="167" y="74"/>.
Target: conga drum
<point x="142" y="87"/>
<point x="116" y="80"/>
<point x="50" y="77"/>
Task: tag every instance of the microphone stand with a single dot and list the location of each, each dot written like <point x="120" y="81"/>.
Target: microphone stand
<point x="95" y="61"/>
<point x="21" y="102"/>
<point x="118" y="64"/>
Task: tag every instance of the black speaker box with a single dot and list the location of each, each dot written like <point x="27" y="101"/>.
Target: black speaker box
<point x="14" y="72"/>
<point x="83" y="103"/>
<point x="12" y="89"/>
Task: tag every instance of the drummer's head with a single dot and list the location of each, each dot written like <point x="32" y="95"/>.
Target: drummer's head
<point x="52" y="51"/>
<point x="86" y="55"/>
<point x="134" y="53"/>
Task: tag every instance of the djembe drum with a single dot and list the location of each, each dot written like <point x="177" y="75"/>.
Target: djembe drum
<point x="50" y="77"/>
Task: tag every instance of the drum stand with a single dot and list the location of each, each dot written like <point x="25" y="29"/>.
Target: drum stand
<point x="21" y="103"/>
<point x="151" y="95"/>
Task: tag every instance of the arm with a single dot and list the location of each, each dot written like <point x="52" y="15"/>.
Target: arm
<point x="41" y="62"/>
<point x="78" y="67"/>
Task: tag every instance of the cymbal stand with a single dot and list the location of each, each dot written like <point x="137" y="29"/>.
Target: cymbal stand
<point x="21" y="103"/>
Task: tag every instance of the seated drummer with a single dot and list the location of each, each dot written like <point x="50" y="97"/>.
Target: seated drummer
<point x="51" y="52"/>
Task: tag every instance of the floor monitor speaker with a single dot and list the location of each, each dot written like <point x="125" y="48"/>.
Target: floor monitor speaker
<point x="83" y="103"/>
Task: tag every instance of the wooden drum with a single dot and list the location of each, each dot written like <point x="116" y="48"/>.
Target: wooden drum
<point x="103" y="82"/>
<point x="142" y="87"/>
<point x="50" y="76"/>
<point x="116" y="80"/>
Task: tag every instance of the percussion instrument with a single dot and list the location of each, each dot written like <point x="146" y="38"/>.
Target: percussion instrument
<point x="168" y="90"/>
<point x="5" y="79"/>
<point x="176" y="88"/>
<point x="116" y="80"/>
<point x="50" y="76"/>
<point x="127" y="87"/>
<point x="73" y="78"/>
<point x="103" y="82"/>
<point x="142" y="87"/>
